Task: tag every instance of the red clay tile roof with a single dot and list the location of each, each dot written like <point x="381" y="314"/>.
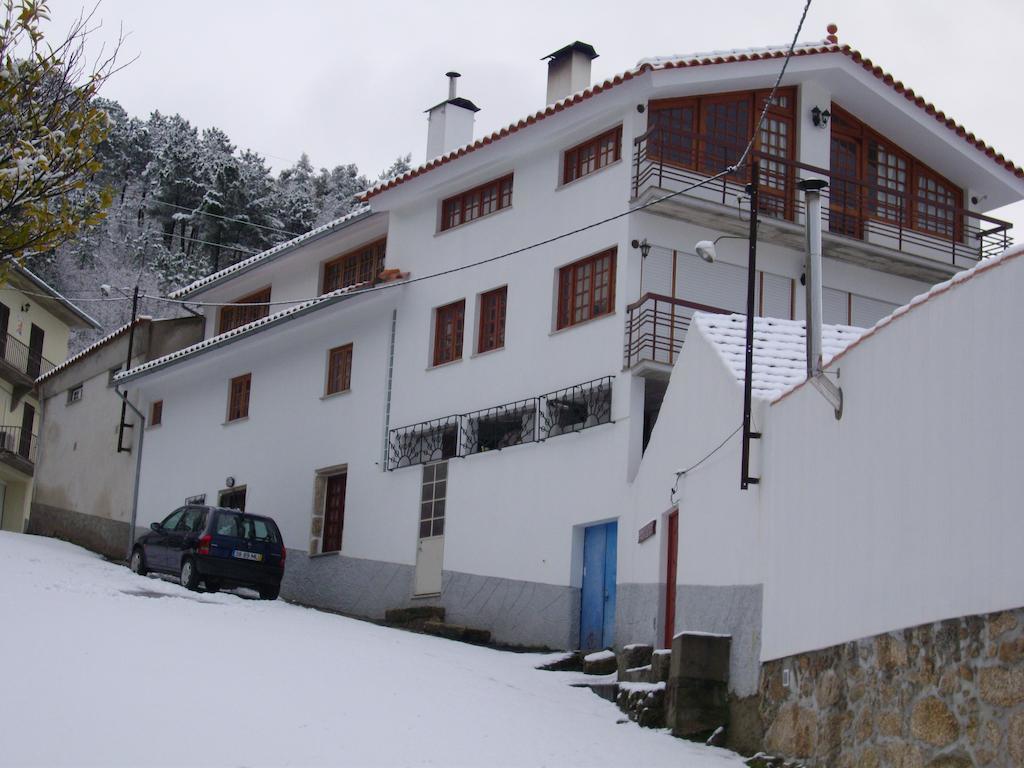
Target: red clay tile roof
<point x="804" y="49"/>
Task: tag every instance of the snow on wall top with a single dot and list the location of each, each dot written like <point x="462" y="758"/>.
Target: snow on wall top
<point x="287" y="245"/>
<point x="936" y="290"/>
<point x="780" y="353"/>
<point x="702" y="59"/>
<point x="140" y="320"/>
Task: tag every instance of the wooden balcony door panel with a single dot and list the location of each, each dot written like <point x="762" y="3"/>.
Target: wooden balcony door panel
<point x="28" y="418"/>
<point x="35" y="350"/>
<point x="334" y="513"/>
<point x="846" y="216"/>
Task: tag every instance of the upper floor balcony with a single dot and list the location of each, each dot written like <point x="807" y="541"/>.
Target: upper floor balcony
<point x="656" y="326"/>
<point x="902" y="226"/>
<point x="18" y="448"/>
<point x="20" y="364"/>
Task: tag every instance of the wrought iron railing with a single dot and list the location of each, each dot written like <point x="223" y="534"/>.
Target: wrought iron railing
<point x="672" y="160"/>
<point x="21" y="357"/>
<point x="656" y="326"/>
<point x="524" y="421"/>
<point x="20" y="442"/>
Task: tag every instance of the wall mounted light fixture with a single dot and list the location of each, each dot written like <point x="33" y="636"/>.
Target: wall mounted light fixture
<point x="26" y="307"/>
<point x="820" y="117"/>
<point x="643" y="245"/>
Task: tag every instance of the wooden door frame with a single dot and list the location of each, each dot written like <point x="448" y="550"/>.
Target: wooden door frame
<point x="671" y="574"/>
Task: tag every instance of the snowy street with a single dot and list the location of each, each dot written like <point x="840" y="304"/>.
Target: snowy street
<point x="102" y="667"/>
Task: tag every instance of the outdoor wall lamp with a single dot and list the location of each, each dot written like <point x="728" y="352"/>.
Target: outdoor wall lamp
<point x="706" y="248"/>
<point x="820" y="117"/>
<point x="643" y="245"/>
<point x="26" y="307"/>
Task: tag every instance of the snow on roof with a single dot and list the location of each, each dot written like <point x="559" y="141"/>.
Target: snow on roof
<point x="251" y="328"/>
<point x="780" y="355"/>
<point x="140" y="320"/>
<point x="270" y="253"/>
<point x="734" y="55"/>
<point x="936" y="290"/>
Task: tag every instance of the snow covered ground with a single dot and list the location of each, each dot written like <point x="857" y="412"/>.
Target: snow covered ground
<point x="102" y="667"/>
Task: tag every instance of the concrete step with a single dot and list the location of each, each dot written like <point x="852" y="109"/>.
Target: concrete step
<point x="457" y="632"/>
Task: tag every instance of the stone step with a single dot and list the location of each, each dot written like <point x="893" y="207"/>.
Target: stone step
<point x="457" y="632"/>
<point x="600" y="663"/>
<point x="414" y="614"/>
<point x="643" y="703"/>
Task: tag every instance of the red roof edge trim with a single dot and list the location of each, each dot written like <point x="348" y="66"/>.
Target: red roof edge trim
<point x="856" y="56"/>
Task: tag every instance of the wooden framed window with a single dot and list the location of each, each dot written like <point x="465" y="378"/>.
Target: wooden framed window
<point x="586" y="289"/>
<point x="873" y="178"/>
<point x="363" y="265"/>
<point x="492" y="320"/>
<point x="156" y="413"/>
<point x="339" y="369"/>
<point x="709" y="133"/>
<point x="474" y="203"/>
<point x="334" y="512"/>
<point x="240" y="313"/>
<point x="593" y="154"/>
<point x="449" y="322"/>
<point x="238" y="397"/>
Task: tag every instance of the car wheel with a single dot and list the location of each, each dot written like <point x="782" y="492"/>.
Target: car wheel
<point x="137" y="562"/>
<point x="212" y="586"/>
<point x="189" y="574"/>
<point x="270" y="593"/>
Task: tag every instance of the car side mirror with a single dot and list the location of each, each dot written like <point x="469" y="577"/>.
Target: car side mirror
<point x="156" y="527"/>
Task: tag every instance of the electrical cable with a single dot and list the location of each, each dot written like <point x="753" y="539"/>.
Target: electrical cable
<point x="683" y="472"/>
<point x="229" y="218"/>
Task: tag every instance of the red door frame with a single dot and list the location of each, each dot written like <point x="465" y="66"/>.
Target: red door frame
<point x="672" y="542"/>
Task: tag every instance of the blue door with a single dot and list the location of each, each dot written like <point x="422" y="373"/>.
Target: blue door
<point x="597" y="601"/>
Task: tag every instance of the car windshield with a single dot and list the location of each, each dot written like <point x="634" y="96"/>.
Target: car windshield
<point x="244" y="526"/>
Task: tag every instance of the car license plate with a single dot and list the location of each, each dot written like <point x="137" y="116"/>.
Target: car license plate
<point x="247" y="555"/>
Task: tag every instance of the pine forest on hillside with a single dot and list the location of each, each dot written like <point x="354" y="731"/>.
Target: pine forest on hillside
<point x="186" y="203"/>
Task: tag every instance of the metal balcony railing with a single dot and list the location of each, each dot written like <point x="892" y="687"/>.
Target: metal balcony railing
<point x="656" y="326"/>
<point x="17" y="441"/>
<point x="524" y="421"/>
<point x="22" y="358"/>
<point x="671" y="160"/>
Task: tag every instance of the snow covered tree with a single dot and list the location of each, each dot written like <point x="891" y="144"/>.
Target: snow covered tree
<point x="50" y="131"/>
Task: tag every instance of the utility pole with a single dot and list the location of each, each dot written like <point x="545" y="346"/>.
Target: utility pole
<point x="128" y="364"/>
<point x="752" y="190"/>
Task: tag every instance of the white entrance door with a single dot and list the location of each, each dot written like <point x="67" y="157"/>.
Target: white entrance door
<point x="430" y="547"/>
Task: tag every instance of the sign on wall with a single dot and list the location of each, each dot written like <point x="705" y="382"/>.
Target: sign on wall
<point x="200" y="499"/>
<point x="647" y="532"/>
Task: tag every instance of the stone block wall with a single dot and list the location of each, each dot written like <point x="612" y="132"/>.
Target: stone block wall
<point x="942" y="695"/>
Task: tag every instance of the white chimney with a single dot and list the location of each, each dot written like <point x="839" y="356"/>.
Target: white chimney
<point x="569" y="70"/>
<point x="450" y="123"/>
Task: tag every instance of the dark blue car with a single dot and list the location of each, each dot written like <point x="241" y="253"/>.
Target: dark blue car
<point x="216" y="546"/>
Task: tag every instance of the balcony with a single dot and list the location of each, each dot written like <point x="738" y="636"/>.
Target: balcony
<point x="18" y="449"/>
<point x="535" y="419"/>
<point x="19" y="364"/>
<point x="878" y="227"/>
<point x="656" y="326"/>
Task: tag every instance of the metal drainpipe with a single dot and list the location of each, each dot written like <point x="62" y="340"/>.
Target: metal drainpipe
<point x="138" y="467"/>
<point x="812" y="277"/>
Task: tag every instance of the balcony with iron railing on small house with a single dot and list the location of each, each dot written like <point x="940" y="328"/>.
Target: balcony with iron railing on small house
<point x="20" y="364"/>
<point x="18" y="448"/>
<point x="883" y="227"/>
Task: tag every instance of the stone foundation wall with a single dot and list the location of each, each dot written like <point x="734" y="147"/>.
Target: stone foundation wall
<point x="100" y="534"/>
<point x="942" y="695"/>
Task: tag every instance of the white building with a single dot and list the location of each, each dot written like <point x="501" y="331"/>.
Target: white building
<point x="470" y="431"/>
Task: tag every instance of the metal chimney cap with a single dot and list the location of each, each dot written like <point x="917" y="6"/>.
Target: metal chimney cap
<point x="452" y="74"/>
<point x="812" y="185"/>
<point x="585" y="48"/>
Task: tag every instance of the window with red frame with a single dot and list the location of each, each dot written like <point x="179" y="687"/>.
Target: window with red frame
<point x="593" y="154"/>
<point x="492" y="320"/>
<point x="474" y="203"/>
<point x="238" y="397"/>
<point x="586" y="289"/>
<point x="339" y="369"/>
<point x="245" y="310"/>
<point x="362" y="265"/>
<point x="449" y="322"/>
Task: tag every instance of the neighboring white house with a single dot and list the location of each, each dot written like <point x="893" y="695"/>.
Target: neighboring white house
<point x="85" y="470"/>
<point x="446" y="427"/>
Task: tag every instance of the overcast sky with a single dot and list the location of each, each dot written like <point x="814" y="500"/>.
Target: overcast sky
<point x="348" y="82"/>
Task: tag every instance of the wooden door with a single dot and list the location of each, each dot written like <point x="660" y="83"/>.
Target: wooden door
<point x="845" y="204"/>
<point x="334" y="513"/>
<point x="28" y="418"/>
<point x="597" y="596"/>
<point x="5" y="320"/>
<point x="672" y="553"/>
<point x="35" y="351"/>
